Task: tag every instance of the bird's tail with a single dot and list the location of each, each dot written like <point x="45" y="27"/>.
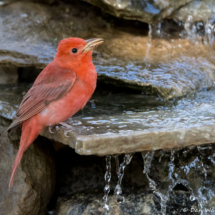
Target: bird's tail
<point x="30" y="131"/>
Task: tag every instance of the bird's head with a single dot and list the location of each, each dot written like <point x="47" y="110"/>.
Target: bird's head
<point x="72" y="52"/>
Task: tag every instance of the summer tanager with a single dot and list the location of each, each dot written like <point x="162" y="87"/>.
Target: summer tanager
<point x="61" y="89"/>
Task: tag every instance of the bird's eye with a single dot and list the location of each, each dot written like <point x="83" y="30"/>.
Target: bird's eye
<point x="74" y="50"/>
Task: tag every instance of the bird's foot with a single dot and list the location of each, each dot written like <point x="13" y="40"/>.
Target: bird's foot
<point x="65" y="125"/>
<point x="50" y="129"/>
<point x="68" y="127"/>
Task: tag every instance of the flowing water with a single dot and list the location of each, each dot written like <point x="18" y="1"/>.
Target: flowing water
<point x="120" y="173"/>
<point x="107" y="178"/>
<point x="201" y="193"/>
<point x="181" y="180"/>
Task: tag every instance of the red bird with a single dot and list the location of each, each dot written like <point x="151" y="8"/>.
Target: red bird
<point x="61" y="89"/>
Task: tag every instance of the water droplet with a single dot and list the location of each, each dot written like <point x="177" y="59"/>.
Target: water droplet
<point x="106" y="188"/>
<point x="120" y="199"/>
<point x="192" y="198"/>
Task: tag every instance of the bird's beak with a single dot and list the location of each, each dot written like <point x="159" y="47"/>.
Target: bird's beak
<point x="92" y="44"/>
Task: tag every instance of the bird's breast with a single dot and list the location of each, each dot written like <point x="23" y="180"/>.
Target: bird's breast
<point x="62" y="109"/>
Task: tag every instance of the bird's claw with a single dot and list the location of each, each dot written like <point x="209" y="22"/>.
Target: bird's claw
<point x="65" y="125"/>
<point x="68" y="127"/>
<point x="50" y="129"/>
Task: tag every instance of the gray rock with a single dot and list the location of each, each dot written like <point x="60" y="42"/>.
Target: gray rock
<point x="168" y="69"/>
<point x="189" y="121"/>
<point x="11" y="96"/>
<point x="34" y="181"/>
<point x="8" y="75"/>
<point x="142" y="10"/>
<point x="123" y="123"/>
<point x="196" y="11"/>
<point x="127" y="58"/>
<point x="82" y="204"/>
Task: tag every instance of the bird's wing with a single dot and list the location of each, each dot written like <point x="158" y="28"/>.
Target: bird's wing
<point x="39" y="96"/>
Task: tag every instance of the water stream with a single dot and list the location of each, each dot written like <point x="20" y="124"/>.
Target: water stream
<point x="147" y="160"/>
<point x="120" y="173"/>
<point x="107" y="178"/>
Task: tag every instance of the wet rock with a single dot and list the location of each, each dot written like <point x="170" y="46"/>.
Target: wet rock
<point x="196" y="11"/>
<point x="124" y="123"/>
<point x="188" y="171"/>
<point x="92" y="204"/>
<point x="166" y="69"/>
<point x="128" y="57"/>
<point x="145" y="11"/>
<point x="11" y="96"/>
<point x="34" y="181"/>
<point x="8" y="75"/>
<point x="130" y="128"/>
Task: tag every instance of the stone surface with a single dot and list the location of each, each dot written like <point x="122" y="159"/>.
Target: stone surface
<point x="34" y="180"/>
<point x="82" y="204"/>
<point x="189" y="121"/>
<point x="142" y="10"/>
<point x="164" y="68"/>
<point x="173" y="182"/>
<point x="196" y="11"/>
<point x="128" y="57"/>
<point x="33" y="30"/>
<point x="125" y="123"/>
<point x="11" y="97"/>
<point x="8" y="75"/>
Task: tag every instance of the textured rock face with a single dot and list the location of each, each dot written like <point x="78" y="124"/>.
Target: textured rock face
<point x="92" y="204"/>
<point x="8" y="75"/>
<point x="128" y="57"/>
<point x="142" y="10"/>
<point x="167" y="68"/>
<point x="196" y="11"/>
<point x="34" y="181"/>
<point x="33" y="30"/>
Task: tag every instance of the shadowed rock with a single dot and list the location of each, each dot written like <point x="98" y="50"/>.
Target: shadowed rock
<point x="34" y="181"/>
<point x="82" y="204"/>
<point x="8" y="75"/>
